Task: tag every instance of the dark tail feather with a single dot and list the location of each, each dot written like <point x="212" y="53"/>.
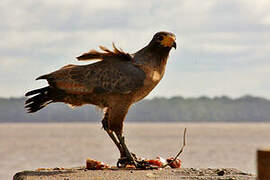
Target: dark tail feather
<point x="42" y="77"/>
<point x="43" y="97"/>
<point x="36" y="91"/>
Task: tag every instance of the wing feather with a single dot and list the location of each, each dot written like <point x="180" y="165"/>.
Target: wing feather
<point x="106" y="54"/>
<point x="110" y="76"/>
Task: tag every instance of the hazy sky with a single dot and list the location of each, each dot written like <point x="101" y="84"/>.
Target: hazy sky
<point x="223" y="46"/>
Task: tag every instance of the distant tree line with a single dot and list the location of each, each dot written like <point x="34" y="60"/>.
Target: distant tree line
<point x="175" y="109"/>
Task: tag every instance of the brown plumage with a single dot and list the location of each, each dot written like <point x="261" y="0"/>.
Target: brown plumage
<point x="114" y="83"/>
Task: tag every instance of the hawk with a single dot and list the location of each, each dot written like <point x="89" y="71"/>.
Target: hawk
<point x="113" y="83"/>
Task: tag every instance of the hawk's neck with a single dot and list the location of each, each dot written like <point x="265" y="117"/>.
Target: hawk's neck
<point x="152" y="56"/>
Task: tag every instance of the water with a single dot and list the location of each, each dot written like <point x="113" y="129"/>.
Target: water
<point x="31" y="146"/>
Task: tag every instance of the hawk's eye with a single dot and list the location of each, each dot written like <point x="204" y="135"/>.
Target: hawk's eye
<point x="160" y="38"/>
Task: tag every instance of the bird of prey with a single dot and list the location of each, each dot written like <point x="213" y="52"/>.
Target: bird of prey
<point x="113" y="83"/>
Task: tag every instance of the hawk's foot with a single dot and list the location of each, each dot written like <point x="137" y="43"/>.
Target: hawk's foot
<point x="123" y="161"/>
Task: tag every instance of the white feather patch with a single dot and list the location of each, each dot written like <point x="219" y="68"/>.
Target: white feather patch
<point x="71" y="106"/>
<point x="156" y="76"/>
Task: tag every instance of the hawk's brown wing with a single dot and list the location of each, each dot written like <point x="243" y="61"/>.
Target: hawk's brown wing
<point x="111" y="76"/>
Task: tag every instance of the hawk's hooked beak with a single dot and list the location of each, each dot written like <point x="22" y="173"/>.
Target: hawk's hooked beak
<point x="169" y="41"/>
<point x="174" y="45"/>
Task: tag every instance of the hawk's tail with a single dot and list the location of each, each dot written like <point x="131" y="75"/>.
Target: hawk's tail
<point x="43" y="97"/>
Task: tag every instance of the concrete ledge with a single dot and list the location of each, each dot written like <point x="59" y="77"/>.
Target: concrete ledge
<point x="182" y="174"/>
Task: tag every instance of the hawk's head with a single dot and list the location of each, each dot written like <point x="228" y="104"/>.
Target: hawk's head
<point x="164" y="40"/>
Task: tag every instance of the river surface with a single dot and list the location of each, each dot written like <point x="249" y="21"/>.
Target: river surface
<point x="27" y="146"/>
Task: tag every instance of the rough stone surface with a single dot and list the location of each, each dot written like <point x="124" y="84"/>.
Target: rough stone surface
<point x="181" y="174"/>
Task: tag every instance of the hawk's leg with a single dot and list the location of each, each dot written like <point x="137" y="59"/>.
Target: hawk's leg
<point x="129" y="158"/>
<point x="113" y="124"/>
<point x="112" y="136"/>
